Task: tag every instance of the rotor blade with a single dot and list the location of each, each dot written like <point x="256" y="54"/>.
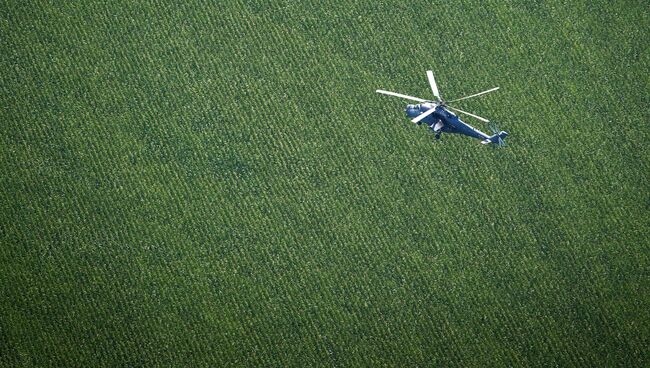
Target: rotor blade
<point x="477" y="94"/>
<point x="470" y="114"/>
<point x="423" y="115"/>
<point x="434" y="86"/>
<point x="400" y="95"/>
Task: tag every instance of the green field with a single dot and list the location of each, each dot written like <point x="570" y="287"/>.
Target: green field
<point x="217" y="184"/>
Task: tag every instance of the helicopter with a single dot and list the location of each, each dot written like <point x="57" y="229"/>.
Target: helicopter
<point x="437" y="115"/>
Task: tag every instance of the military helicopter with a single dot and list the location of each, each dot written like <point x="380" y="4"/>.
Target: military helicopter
<point x="437" y="116"/>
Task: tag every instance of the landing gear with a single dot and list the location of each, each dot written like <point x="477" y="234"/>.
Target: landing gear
<point x="437" y="128"/>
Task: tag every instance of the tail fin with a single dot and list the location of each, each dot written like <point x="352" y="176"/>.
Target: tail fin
<point x="497" y="138"/>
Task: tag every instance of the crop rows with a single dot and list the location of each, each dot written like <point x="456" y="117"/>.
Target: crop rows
<point x="218" y="185"/>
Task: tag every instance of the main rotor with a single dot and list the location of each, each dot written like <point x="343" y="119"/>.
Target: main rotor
<point x="440" y="101"/>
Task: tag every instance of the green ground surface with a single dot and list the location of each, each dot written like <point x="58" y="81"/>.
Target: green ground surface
<point x="217" y="184"/>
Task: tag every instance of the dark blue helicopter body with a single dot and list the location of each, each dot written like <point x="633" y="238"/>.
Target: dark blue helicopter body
<point x="438" y="117"/>
<point x="447" y="121"/>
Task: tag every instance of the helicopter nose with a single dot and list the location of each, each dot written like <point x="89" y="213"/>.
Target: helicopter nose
<point x="412" y="110"/>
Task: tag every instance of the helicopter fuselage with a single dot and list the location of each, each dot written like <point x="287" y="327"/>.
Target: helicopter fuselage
<point x="443" y="120"/>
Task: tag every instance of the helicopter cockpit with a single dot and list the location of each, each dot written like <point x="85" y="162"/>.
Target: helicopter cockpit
<point x="412" y="110"/>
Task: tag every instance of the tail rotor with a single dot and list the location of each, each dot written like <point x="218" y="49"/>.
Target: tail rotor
<point x="498" y="135"/>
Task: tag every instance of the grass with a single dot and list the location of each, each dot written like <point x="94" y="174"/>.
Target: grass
<point x="218" y="185"/>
